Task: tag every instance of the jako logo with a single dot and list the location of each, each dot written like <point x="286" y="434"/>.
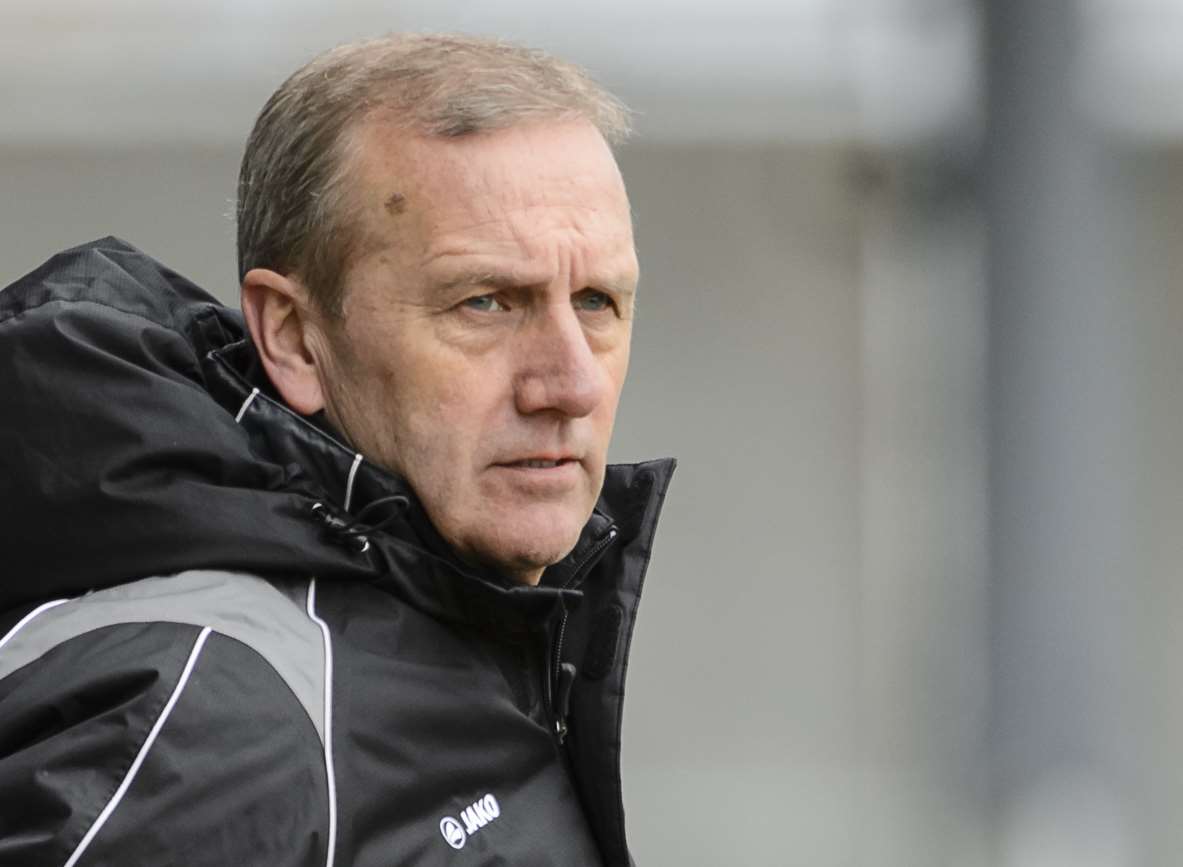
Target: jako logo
<point x="452" y="832"/>
<point x="475" y="816"/>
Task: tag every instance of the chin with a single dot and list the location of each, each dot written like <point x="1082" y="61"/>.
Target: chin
<point x="533" y="548"/>
<point x="537" y="553"/>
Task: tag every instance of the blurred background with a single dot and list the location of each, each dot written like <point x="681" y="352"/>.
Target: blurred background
<point x="911" y="319"/>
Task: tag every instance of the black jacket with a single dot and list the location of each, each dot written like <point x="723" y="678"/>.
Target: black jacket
<point x="229" y="640"/>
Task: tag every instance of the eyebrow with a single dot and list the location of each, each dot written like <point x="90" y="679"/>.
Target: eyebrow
<point x="482" y="278"/>
<point x="508" y="282"/>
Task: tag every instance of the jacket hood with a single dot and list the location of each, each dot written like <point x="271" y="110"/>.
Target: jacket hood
<point x="140" y="437"/>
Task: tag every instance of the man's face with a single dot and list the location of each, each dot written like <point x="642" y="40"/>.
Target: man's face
<point x="486" y="330"/>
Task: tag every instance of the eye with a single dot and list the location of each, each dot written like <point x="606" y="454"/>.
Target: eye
<point x="593" y="300"/>
<point x="484" y="304"/>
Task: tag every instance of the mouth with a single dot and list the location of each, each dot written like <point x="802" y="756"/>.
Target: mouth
<point x="542" y="476"/>
<point x="538" y="463"/>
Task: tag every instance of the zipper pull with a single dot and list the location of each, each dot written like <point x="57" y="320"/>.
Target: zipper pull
<point x="563" y="705"/>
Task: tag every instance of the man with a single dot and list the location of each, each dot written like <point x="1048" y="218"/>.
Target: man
<point x="350" y="583"/>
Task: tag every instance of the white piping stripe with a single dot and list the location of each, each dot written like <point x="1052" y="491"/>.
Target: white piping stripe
<point x="143" y="753"/>
<point x="250" y="398"/>
<point x="349" y="484"/>
<point x="328" y="720"/>
<point x="24" y="620"/>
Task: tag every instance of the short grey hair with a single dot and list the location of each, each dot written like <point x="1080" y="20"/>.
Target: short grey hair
<point x="293" y="185"/>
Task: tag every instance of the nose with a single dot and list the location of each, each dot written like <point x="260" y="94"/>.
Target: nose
<point x="558" y="370"/>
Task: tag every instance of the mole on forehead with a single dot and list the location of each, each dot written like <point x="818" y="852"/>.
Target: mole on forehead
<point x="396" y="203"/>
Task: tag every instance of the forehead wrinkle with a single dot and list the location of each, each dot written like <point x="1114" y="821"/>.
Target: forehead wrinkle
<point x="479" y="212"/>
<point x="526" y="241"/>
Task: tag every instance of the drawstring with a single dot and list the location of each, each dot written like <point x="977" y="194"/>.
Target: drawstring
<point x="355" y="532"/>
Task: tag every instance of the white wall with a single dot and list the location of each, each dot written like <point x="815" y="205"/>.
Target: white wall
<point x="175" y="203"/>
<point x="741" y="722"/>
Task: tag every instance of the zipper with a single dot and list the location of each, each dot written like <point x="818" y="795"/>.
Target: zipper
<point x="566" y="681"/>
<point x="560" y="676"/>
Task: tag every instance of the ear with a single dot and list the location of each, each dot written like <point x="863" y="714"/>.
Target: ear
<point x="282" y="323"/>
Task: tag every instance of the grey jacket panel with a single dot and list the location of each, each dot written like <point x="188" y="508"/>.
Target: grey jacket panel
<point x="254" y="796"/>
<point x="270" y="618"/>
<point x="107" y="758"/>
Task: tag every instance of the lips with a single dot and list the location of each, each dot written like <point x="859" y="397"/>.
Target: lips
<point x="541" y="477"/>
<point x="537" y="463"/>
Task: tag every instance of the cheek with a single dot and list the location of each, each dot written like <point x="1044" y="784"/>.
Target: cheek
<point x="616" y="367"/>
<point x="453" y="410"/>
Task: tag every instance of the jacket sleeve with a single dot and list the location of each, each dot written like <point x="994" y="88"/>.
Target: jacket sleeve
<point x="156" y="743"/>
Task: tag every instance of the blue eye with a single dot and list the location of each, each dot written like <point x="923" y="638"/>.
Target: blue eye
<point x="483" y="303"/>
<point x="592" y="300"/>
